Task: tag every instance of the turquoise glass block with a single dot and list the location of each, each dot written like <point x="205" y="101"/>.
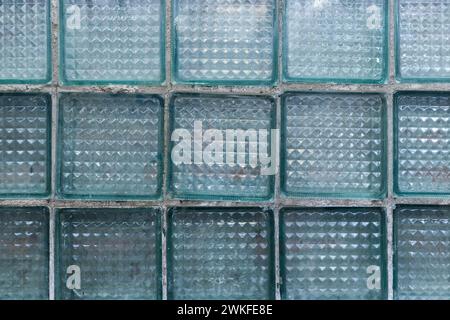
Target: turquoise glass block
<point x="225" y="41"/>
<point x="112" y="41"/>
<point x="115" y="252"/>
<point x="238" y="172"/>
<point x="422" y="252"/>
<point x="333" y="254"/>
<point x="335" y="41"/>
<point x="423" y="40"/>
<point x="422" y="143"/>
<point x="24" y="253"/>
<point x="220" y="253"/>
<point x="110" y="146"/>
<point x="25" y="41"/>
<point x="25" y="125"/>
<point x="333" y="145"/>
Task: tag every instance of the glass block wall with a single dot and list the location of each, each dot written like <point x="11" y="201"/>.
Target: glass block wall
<point x="225" y="149"/>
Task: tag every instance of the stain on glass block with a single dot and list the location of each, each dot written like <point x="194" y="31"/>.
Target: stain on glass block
<point x="25" y="41"/>
<point x="112" y="41"/>
<point x="422" y="148"/>
<point x="423" y="41"/>
<point x="335" y="41"/>
<point x="422" y="252"/>
<point x="24" y="253"/>
<point x="108" y="254"/>
<point x="333" y="145"/>
<point x="333" y="253"/>
<point x="220" y="253"/>
<point x="219" y="147"/>
<point x="25" y="125"/>
<point x="110" y="146"/>
<point x="225" y="41"/>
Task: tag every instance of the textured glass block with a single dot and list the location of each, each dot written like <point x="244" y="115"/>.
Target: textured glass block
<point x="112" y="41"/>
<point x="225" y="41"/>
<point x="335" y="41"/>
<point x="423" y="40"/>
<point x="196" y="177"/>
<point x="25" y="125"/>
<point x="110" y="146"/>
<point x="25" y="41"/>
<point x="333" y="145"/>
<point x="333" y="253"/>
<point x="422" y="143"/>
<point x="220" y="253"/>
<point x="115" y="252"/>
<point x="24" y="253"/>
<point x="422" y="252"/>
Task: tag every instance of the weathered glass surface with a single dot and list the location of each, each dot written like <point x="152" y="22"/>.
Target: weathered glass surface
<point x="220" y="253"/>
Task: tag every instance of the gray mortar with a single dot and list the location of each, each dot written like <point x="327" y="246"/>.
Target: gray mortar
<point x="166" y="90"/>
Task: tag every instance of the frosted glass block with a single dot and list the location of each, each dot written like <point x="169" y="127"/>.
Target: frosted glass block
<point x="25" y="41"/>
<point x="335" y="41"/>
<point x="225" y="41"/>
<point x="24" y="253"/>
<point x="114" y="254"/>
<point x="198" y="177"/>
<point x="423" y="40"/>
<point x="333" y="254"/>
<point x="112" y="41"/>
<point x="220" y="253"/>
<point x="422" y="144"/>
<point x="110" y="146"/>
<point x="25" y="125"/>
<point x="333" y="145"/>
<point x="422" y="252"/>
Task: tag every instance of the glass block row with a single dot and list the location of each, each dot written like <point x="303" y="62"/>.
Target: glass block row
<point x="224" y="42"/>
<point x="224" y="147"/>
<point x="225" y="253"/>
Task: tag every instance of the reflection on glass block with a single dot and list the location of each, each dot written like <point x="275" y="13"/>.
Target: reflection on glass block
<point x="24" y="253"/>
<point x="333" y="253"/>
<point x="422" y="256"/>
<point x="333" y="145"/>
<point x="423" y="42"/>
<point x="422" y="149"/>
<point x="108" y="254"/>
<point x="335" y="40"/>
<point x="110" y="146"/>
<point x="25" y="41"/>
<point x="25" y="121"/>
<point x="233" y="169"/>
<point x="112" y="41"/>
<point x="225" y="41"/>
<point x="220" y="253"/>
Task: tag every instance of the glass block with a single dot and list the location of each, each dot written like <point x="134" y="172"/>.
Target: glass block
<point x="220" y="253"/>
<point x="225" y="41"/>
<point x="333" y="145"/>
<point x="25" y="41"/>
<point x="422" y="143"/>
<point x="24" y="253"/>
<point x="333" y="254"/>
<point x="25" y="125"/>
<point x="335" y="41"/>
<point x="422" y="252"/>
<point x="112" y="41"/>
<point x="238" y="172"/>
<point x="110" y="146"/>
<point x="423" y="40"/>
<point x="115" y="252"/>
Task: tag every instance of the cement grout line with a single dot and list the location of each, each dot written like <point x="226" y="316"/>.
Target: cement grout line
<point x="164" y="253"/>
<point x="390" y="251"/>
<point x="52" y="255"/>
